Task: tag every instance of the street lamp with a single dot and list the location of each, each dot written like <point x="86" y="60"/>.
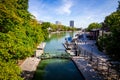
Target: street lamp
<point x="77" y="49"/>
<point x="91" y="53"/>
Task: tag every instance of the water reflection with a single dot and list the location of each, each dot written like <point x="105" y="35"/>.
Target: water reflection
<point x="57" y="69"/>
<point x="56" y="41"/>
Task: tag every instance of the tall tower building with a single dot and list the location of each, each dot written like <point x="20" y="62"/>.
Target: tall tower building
<point x="72" y="23"/>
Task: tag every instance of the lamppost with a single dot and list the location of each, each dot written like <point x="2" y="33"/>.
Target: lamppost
<point x="91" y="52"/>
<point x="75" y="46"/>
<point x="103" y="28"/>
<point x="77" y="49"/>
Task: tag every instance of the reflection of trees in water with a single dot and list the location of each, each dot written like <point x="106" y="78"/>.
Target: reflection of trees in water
<point x="72" y="34"/>
<point x="56" y="36"/>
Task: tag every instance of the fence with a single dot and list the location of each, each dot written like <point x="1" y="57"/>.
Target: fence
<point x="109" y="69"/>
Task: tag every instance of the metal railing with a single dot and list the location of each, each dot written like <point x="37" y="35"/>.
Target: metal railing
<point x="109" y="69"/>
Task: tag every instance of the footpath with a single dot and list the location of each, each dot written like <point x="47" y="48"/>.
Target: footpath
<point x="30" y="64"/>
<point x="93" y="64"/>
<point x="86" y="69"/>
<point x="83" y="64"/>
<point x="29" y="67"/>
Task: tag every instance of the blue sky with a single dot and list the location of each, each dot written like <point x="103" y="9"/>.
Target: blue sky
<point x="83" y="12"/>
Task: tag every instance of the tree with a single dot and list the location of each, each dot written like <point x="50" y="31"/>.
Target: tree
<point x="19" y="36"/>
<point x="118" y="9"/>
<point x="9" y="71"/>
<point x="93" y="26"/>
<point x="45" y="25"/>
<point x="111" y="41"/>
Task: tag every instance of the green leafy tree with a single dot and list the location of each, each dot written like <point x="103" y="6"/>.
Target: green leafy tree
<point x="113" y="21"/>
<point x="94" y="26"/>
<point x="118" y="9"/>
<point x="19" y="36"/>
<point x="111" y="41"/>
<point x="9" y="71"/>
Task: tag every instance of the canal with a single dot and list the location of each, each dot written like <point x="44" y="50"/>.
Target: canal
<point x="57" y="69"/>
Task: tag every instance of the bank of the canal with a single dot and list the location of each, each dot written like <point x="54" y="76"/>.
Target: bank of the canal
<point x="57" y="69"/>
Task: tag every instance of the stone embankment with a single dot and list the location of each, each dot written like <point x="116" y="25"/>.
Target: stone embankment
<point x="86" y="69"/>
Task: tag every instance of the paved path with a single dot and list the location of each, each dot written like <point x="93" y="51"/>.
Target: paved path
<point x="89" y="45"/>
<point x="83" y="65"/>
<point x="30" y="64"/>
<point x="85" y="68"/>
<point x="29" y="67"/>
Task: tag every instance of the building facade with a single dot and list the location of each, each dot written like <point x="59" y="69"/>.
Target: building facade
<point x="72" y="23"/>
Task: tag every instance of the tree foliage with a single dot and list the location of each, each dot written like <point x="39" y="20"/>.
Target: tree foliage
<point x="9" y="71"/>
<point x="93" y="26"/>
<point x="19" y="36"/>
<point x="118" y="9"/>
<point x="113" y="20"/>
<point x="111" y="41"/>
<point x="55" y="27"/>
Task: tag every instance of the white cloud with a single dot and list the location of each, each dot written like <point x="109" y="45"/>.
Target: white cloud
<point x="94" y="14"/>
<point x="65" y="8"/>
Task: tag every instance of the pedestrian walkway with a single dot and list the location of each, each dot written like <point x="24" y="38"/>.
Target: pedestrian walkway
<point x="90" y="46"/>
<point x="29" y="67"/>
<point x="94" y="62"/>
<point x="86" y="69"/>
<point x="30" y="64"/>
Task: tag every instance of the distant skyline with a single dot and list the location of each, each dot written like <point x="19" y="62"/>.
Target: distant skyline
<point x="83" y="12"/>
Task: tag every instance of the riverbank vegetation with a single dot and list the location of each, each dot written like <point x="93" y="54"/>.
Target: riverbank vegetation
<point x="55" y="28"/>
<point x="19" y="36"/>
<point x="20" y="33"/>
<point x="93" y="26"/>
<point x="110" y="43"/>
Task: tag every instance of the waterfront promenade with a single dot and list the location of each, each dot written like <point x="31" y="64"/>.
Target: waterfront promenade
<point x="93" y="64"/>
<point x="30" y="64"/>
<point x="86" y="69"/>
<point x="28" y="67"/>
<point x="82" y="64"/>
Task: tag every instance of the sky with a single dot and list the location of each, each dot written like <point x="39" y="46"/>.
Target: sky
<point x="83" y="12"/>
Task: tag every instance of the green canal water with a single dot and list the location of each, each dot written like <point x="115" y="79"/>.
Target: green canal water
<point x="57" y="69"/>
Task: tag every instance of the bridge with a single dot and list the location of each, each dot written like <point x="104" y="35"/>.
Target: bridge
<point x="51" y="56"/>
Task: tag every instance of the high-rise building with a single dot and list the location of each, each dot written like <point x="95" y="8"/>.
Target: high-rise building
<point x="72" y="23"/>
<point x="58" y="22"/>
